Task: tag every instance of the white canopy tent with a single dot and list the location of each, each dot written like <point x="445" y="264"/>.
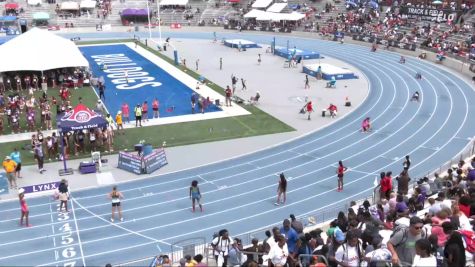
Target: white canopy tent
<point x="263" y="15"/>
<point x="33" y="2"/>
<point x="69" y="6"/>
<point x="88" y="4"/>
<point x="261" y="3"/>
<point x="40" y="50"/>
<point x="277" y="7"/>
<point x="173" y="2"/>
<point x="254" y="13"/>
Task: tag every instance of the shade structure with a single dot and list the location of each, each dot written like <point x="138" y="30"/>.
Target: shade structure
<point x="88" y="4"/>
<point x="234" y="1"/>
<point x="33" y="2"/>
<point x="48" y="50"/>
<point x="261" y="3"/>
<point x="41" y="16"/>
<point x="174" y="2"/>
<point x="80" y="118"/>
<point x="134" y="12"/>
<point x="69" y="6"/>
<point x="277" y="7"/>
<point x="12" y="6"/>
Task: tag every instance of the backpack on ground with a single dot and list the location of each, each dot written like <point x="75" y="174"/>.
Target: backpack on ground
<point x="469" y="238"/>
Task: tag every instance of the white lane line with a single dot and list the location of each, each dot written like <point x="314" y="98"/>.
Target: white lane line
<point x="118" y="225"/>
<point x="288" y="159"/>
<point x="206" y="181"/>
<point x="258" y="159"/>
<point x="440" y="129"/>
<point x="220" y="188"/>
<point x="79" y="236"/>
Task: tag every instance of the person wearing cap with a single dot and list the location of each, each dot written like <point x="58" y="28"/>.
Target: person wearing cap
<point x="10" y="167"/>
<point x="402" y="243"/>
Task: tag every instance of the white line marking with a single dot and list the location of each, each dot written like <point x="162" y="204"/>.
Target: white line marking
<point x="118" y="225"/>
<point x="79" y="236"/>
<point x="441" y="127"/>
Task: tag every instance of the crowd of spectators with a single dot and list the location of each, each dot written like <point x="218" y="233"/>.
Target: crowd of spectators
<point x="428" y="224"/>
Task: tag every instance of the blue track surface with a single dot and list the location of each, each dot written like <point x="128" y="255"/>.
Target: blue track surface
<point x="239" y="194"/>
<point x="146" y="84"/>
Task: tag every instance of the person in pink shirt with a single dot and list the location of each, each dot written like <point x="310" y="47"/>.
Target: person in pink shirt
<point x="366" y="125"/>
<point x="125" y="112"/>
<point x="24" y="209"/>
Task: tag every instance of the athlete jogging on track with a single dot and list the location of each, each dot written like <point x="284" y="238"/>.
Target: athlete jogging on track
<point x="195" y="195"/>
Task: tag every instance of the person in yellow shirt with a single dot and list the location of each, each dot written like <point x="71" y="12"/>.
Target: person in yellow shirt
<point x="118" y="121"/>
<point x="10" y="167"/>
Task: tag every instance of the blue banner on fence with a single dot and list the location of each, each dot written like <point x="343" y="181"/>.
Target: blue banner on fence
<point x="41" y="187"/>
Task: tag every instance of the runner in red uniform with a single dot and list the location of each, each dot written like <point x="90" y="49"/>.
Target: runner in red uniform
<point x="24" y="209"/>
<point x="340" y="171"/>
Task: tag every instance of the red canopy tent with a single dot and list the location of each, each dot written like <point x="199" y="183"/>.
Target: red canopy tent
<point x="12" y="6"/>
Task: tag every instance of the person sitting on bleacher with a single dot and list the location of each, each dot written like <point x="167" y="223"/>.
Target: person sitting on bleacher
<point x="333" y="110"/>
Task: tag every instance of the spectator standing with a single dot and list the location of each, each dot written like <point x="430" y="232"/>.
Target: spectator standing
<point x="307" y="83"/>
<point x="454" y="251"/>
<point x="228" y="93"/>
<point x="350" y="254"/>
<point x="407" y="163"/>
<point x="221" y="245"/>
<point x="155" y="105"/>
<point x="125" y="112"/>
<point x="281" y="190"/>
<point x="10" y="166"/>
<point x="145" y="111"/>
<point x="138" y="115"/>
<point x="102" y="89"/>
<point x="403" y="182"/>
<point x="197" y="63"/>
<point x="278" y="253"/>
<point x="118" y="121"/>
<point x="16" y="157"/>
<point x="290" y="235"/>
<point x="296" y="224"/>
<point x="40" y="157"/>
<point x="220" y="63"/>
<point x="402" y="243"/>
<point x="424" y="257"/>
<point x="256" y="250"/>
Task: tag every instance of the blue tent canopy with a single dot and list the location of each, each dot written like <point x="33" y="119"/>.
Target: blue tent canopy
<point x="80" y="118"/>
<point x="7" y="18"/>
